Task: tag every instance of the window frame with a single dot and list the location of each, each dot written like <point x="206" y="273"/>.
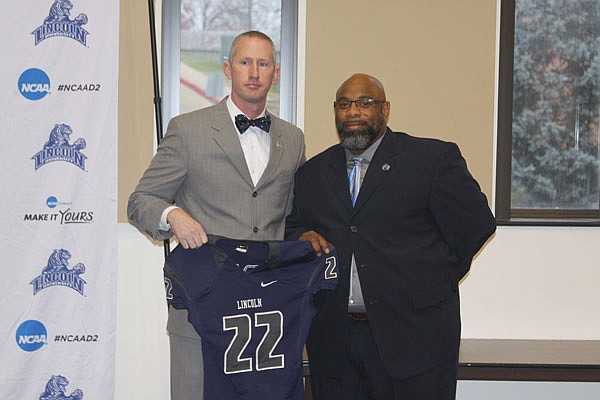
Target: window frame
<point x="170" y="60"/>
<point x="504" y="213"/>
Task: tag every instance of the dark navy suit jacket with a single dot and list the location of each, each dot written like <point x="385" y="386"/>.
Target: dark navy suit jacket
<point x="419" y="219"/>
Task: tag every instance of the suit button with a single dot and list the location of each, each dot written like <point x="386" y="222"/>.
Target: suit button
<point x="255" y="229"/>
<point x="363" y="265"/>
<point x="353" y="229"/>
<point x="254" y="194"/>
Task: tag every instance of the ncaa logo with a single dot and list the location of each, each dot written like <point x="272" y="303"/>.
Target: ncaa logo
<point x="34" y="84"/>
<point x="31" y="335"/>
<point x="51" y="202"/>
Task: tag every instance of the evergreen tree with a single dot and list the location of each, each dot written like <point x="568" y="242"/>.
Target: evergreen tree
<point x="556" y="105"/>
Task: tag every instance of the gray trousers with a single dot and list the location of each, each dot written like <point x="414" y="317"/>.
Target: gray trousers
<point x="187" y="372"/>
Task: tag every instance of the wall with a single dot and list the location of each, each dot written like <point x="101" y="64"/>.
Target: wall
<point x="142" y="361"/>
<point x="437" y="62"/>
<point x="136" y="98"/>
<point x="435" y="59"/>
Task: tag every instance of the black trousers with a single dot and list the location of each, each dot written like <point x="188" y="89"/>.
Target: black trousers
<point x="364" y="377"/>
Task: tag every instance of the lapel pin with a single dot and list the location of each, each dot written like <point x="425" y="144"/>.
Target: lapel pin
<point x="278" y="144"/>
<point x="385" y="167"/>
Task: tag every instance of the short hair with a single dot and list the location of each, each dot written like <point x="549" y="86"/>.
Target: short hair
<point x="251" y="34"/>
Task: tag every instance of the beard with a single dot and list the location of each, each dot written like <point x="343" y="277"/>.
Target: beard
<point x="358" y="141"/>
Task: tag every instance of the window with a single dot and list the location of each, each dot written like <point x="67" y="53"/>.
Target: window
<point x="197" y="35"/>
<point x="549" y="113"/>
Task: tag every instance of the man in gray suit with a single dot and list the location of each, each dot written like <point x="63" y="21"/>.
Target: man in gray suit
<point x="226" y="170"/>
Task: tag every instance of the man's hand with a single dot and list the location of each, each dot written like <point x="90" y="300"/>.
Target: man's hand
<point x="186" y="229"/>
<point x="318" y="242"/>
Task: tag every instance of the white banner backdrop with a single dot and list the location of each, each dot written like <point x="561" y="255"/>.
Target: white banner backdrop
<point x="58" y="226"/>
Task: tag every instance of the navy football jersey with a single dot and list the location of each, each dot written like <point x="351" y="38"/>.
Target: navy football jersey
<point x="251" y="303"/>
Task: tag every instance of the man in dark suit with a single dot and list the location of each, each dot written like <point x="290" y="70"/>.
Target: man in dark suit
<point x="217" y="172"/>
<point x="391" y="329"/>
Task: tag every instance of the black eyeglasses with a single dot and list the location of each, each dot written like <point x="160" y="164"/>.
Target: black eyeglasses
<point x="360" y="103"/>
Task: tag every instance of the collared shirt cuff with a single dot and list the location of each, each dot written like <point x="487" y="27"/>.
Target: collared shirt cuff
<point x="163" y="225"/>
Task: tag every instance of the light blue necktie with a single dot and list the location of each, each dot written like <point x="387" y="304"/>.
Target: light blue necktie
<point x="354" y="178"/>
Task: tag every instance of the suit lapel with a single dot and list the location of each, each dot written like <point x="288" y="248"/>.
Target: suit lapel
<point x="225" y="135"/>
<point x="384" y="162"/>
<point x="275" y="152"/>
<point x="337" y="176"/>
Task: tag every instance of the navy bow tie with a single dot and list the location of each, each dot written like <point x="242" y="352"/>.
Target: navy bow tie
<point x="243" y="123"/>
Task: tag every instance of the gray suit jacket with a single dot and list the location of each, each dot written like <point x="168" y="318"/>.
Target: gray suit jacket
<point x="200" y="167"/>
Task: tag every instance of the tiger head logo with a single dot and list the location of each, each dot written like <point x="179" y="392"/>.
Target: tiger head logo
<point x="59" y="23"/>
<point x="59" y="262"/>
<point x="57" y="148"/>
<point x="59" y="136"/>
<point x="60" y="11"/>
<point x="56" y="389"/>
<point x="57" y="273"/>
